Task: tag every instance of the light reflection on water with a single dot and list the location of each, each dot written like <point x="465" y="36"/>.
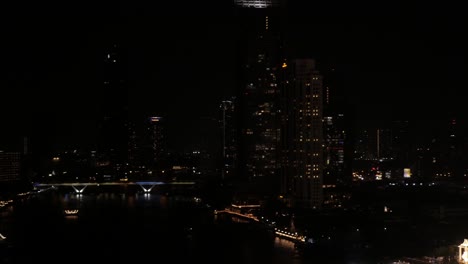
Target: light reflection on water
<point x="117" y="228"/>
<point x="287" y="251"/>
<point x="285" y="244"/>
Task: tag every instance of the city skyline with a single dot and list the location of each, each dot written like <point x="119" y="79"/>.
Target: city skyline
<point x="396" y="59"/>
<point x="235" y="131"/>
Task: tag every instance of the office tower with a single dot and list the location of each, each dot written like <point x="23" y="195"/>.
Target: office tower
<point x="334" y="149"/>
<point x="10" y="167"/>
<point x="338" y="127"/>
<point x="260" y="55"/>
<point x="302" y="135"/>
<point x="156" y="139"/>
<point x="362" y="145"/>
<point x="228" y="139"/>
<point x="447" y="151"/>
<point x="334" y="92"/>
<point x="113" y="137"/>
<point x="404" y="151"/>
<point x="454" y="152"/>
<point x="402" y="145"/>
<point x="27" y="163"/>
<point x="374" y="144"/>
<point x="132" y="144"/>
<point x="384" y="144"/>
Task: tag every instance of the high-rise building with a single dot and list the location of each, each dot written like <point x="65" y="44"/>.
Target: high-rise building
<point x="302" y="134"/>
<point x="260" y="56"/>
<point x="228" y="139"/>
<point x="133" y="147"/>
<point x="338" y="129"/>
<point x="113" y="135"/>
<point x="446" y="152"/>
<point x="10" y="166"/>
<point x="334" y="149"/>
<point x="156" y="139"/>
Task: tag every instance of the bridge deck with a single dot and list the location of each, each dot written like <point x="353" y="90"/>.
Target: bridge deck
<point x="112" y="183"/>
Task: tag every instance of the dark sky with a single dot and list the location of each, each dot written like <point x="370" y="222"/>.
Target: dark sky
<point x="394" y="59"/>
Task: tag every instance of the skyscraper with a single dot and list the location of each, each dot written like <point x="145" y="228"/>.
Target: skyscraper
<point x="132" y="145"/>
<point x="113" y="134"/>
<point x="334" y="149"/>
<point x="302" y="135"/>
<point x="338" y="127"/>
<point x="156" y="137"/>
<point x="10" y="166"/>
<point x="260" y="56"/>
<point x="228" y="139"/>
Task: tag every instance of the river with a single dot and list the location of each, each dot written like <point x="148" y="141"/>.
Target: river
<point x="132" y="228"/>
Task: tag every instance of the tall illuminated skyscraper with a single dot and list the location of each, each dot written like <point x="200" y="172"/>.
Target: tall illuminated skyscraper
<point x="260" y="56"/>
<point x="156" y="136"/>
<point x="302" y="135"/>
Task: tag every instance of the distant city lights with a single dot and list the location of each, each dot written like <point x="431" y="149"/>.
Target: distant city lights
<point x="155" y="119"/>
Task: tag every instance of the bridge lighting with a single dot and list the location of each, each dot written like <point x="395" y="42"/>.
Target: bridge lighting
<point x="71" y="212"/>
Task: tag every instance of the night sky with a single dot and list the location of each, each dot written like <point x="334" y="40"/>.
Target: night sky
<point x="395" y="60"/>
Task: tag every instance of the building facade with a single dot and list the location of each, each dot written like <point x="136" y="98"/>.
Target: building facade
<point x="302" y="135"/>
<point x="228" y="139"/>
<point x="260" y="56"/>
<point x="156" y="140"/>
<point x="334" y="140"/>
<point x="10" y="166"/>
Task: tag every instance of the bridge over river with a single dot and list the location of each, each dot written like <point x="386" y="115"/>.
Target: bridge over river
<point x="79" y="187"/>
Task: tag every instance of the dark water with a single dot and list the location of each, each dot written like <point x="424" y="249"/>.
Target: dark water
<point x="132" y="228"/>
